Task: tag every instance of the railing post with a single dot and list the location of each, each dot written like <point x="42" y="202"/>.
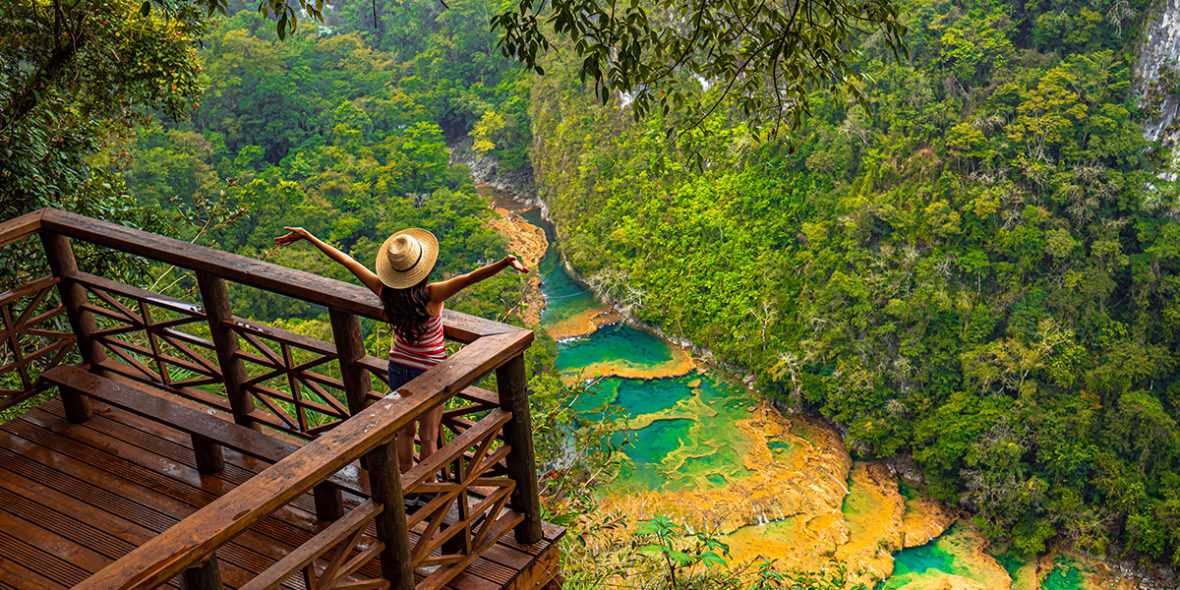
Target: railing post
<point x="233" y="372"/>
<point x="350" y="348"/>
<point x="206" y="576"/>
<point x="60" y="255"/>
<point x="386" y="486"/>
<point x="518" y="433"/>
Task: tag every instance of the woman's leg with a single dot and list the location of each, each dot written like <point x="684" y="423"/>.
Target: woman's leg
<point x="428" y="430"/>
<point x="405" y="447"/>
<point x="399" y="375"/>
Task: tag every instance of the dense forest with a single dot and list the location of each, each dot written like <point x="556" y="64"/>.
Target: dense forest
<point x="978" y="267"/>
<point x="980" y="270"/>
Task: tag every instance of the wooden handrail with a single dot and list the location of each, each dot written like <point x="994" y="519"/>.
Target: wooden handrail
<point x="193" y="539"/>
<point x="20" y="227"/>
<point x="239" y="269"/>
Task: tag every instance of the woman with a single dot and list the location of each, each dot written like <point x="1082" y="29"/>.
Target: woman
<point x="413" y="308"/>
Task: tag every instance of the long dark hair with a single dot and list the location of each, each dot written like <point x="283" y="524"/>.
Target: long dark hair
<point x="405" y="310"/>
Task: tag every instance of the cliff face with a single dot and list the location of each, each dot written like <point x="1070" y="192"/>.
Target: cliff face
<point x="1160" y="51"/>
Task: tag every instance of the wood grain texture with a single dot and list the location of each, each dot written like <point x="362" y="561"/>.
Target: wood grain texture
<point x="21" y="227"/>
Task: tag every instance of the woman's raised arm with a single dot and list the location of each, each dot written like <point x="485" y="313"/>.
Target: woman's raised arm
<point x="366" y="276"/>
<point x="443" y="290"/>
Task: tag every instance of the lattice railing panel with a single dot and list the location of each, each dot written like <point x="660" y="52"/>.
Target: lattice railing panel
<point x="34" y="336"/>
<point x="466" y="509"/>
<point x="341" y="556"/>
<point x="154" y="339"/>
<point x="292" y="379"/>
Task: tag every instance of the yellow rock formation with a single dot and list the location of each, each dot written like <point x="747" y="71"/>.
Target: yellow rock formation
<point x="529" y="244"/>
<point x="680" y="364"/>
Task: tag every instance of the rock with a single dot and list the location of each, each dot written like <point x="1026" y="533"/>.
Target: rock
<point x="695" y="383"/>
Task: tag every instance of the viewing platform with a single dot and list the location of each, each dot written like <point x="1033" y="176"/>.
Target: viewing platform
<point x="179" y="445"/>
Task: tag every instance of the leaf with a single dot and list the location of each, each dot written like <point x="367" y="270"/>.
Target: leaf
<point x="145" y="8"/>
<point x="712" y="559"/>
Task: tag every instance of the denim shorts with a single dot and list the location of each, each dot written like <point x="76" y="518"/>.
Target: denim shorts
<point x="400" y="375"/>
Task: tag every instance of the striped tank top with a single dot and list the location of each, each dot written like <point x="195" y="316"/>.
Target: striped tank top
<point x="428" y="351"/>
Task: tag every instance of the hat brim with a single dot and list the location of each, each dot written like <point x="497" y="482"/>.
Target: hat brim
<point x="408" y="278"/>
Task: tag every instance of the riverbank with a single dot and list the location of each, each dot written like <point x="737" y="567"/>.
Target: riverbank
<point x="767" y="484"/>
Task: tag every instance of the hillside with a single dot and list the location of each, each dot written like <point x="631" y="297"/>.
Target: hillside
<point x="980" y="270"/>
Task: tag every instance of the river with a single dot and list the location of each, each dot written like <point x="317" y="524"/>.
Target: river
<point x="702" y="449"/>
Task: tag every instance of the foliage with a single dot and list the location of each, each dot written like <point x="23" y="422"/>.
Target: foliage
<point x="981" y="273"/>
<point x="763" y="58"/>
<point x="658" y="553"/>
<point x="657" y="55"/>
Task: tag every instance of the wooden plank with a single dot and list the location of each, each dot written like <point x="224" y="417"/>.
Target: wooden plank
<point x="141" y="466"/>
<point x="78" y="523"/>
<point x="270" y="332"/>
<point x="125" y="373"/>
<point x="149" y="479"/>
<point x="245" y="440"/>
<point x="26" y="289"/>
<point x="28" y="552"/>
<point x="155" y="299"/>
<point x="179" y="547"/>
<point x="540" y="572"/>
<point x="147" y="499"/>
<point x="144" y="506"/>
<point x="171" y="444"/>
<point x="18" y="577"/>
<point x="21" y="227"/>
<point x="248" y="271"/>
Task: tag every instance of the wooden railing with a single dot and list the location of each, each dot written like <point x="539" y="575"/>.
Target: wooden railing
<point x="481" y="482"/>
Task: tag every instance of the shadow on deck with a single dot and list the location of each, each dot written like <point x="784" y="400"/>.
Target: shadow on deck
<point x="192" y="448"/>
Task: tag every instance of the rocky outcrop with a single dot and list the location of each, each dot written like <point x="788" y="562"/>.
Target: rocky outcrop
<point x="528" y="243"/>
<point x="1160" y="50"/>
<point x="487" y="170"/>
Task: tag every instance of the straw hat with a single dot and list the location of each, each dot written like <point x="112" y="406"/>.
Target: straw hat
<point x="406" y="258"/>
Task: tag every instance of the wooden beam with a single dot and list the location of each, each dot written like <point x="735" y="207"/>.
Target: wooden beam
<point x="518" y="433"/>
<point x="60" y="255"/>
<point x="385" y="481"/>
<point x="233" y="371"/>
<point x="206" y="576"/>
<point x="350" y="350"/>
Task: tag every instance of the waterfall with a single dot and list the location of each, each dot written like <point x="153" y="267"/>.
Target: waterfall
<point x="1161" y="48"/>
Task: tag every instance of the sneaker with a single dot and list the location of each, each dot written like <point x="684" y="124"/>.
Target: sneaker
<point x="414" y="501"/>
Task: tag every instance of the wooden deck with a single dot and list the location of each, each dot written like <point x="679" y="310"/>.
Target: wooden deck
<point x="221" y="452"/>
<point x="76" y="497"/>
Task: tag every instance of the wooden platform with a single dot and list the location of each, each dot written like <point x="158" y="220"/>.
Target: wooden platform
<point x="74" y="498"/>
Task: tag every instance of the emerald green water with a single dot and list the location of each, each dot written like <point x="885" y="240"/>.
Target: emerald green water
<point x="617" y="341"/>
<point x="1065" y="576"/>
<point x="915" y="567"/>
<point x="564" y="296"/>
<point x="911" y="563"/>
<point x="679" y="437"/>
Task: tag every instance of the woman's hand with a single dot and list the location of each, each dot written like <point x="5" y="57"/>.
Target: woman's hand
<point x="515" y="263"/>
<point x="297" y="233"/>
